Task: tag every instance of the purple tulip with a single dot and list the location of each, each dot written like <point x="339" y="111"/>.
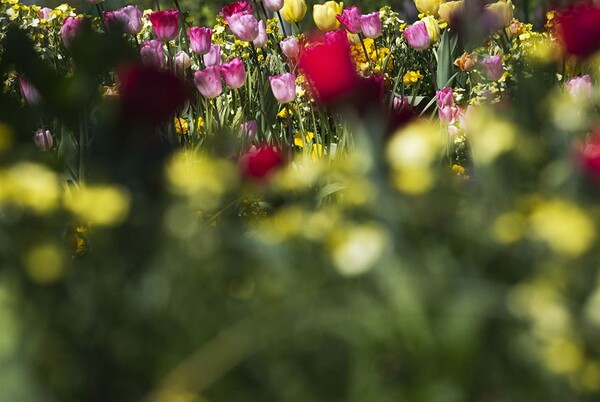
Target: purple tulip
<point x="213" y="57"/>
<point x="244" y="26"/>
<point x="262" y="37"/>
<point x="493" y="67"/>
<point x="43" y="140"/>
<point x="130" y="19"/>
<point x="165" y="24"/>
<point x="152" y="54"/>
<point x="30" y="93"/>
<point x="70" y="29"/>
<point x="283" y="87"/>
<point x="290" y="47"/>
<point x="249" y="128"/>
<point x="200" y="40"/>
<point x="208" y="82"/>
<point x="350" y="19"/>
<point x="371" y="25"/>
<point x="233" y="73"/>
<point x="273" y="5"/>
<point x="417" y="36"/>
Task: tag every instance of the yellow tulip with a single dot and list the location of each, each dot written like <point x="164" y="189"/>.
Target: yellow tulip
<point x="428" y="6"/>
<point x="447" y="9"/>
<point x="433" y="29"/>
<point x="503" y="10"/>
<point x="324" y="15"/>
<point x="293" y="10"/>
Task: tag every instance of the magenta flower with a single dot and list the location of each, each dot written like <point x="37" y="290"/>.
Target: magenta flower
<point x="283" y="87"/>
<point x="70" y="29"/>
<point x="244" y="26"/>
<point x="417" y="36"/>
<point x="235" y="8"/>
<point x="273" y="5"/>
<point x="493" y="67"/>
<point x="290" y="47"/>
<point x="213" y="57"/>
<point x="208" y="82"/>
<point x="152" y="55"/>
<point x="262" y="37"/>
<point x="580" y="88"/>
<point x="350" y="19"/>
<point x="233" y="73"/>
<point x="43" y="140"/>
<point x="165" y="24"/>
<point x="200" y="40"/>
<point x="445" y="97"/>
<point x="30" y="93"/>
<point x="371" y="25"/>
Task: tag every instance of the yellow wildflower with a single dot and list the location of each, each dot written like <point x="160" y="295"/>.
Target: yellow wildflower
<point x="200" y="124"/>
<point x="299" y="141"/>
<point x="412" y="77"/>
<point x="181" y="125"/>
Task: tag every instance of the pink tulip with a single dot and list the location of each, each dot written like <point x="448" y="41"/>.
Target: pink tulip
<point x="182" y="60"/>
<point x="234" y="8"/>
<point x="213" y="57"/>
<point x="580" y="88"/>
<point x="200" y="40"/>
<point x="262" y="37"/>
<point x="445" y="97"/>
<point x="290" y="47"/>
<point x="30" y="93"/>
<point x="447" y="114"/>
<point x="417" y="36"/>
<point x="249" y="128"/>
<point x="152" y="54"/>
<point x="350" y="19"/>
<point x="44" y="13"/>
<point x="208" y="82"/>
<point x="244" y="26"/>
<point x="273" y="5"/>
<point x="234" y="73"/>
<point x="43" y="140"/>
<point x="283" y="87"/>
<point x="371" y="25"/>
<point x="165" y="24"/>
<point x="130" y="19"/>
<point x="493" y="67"/>
<point x="400" y="103"/>
<point x="70" y="29"/>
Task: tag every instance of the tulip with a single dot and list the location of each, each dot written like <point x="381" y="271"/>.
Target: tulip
<point x="493" y="67"/>
<point x="262" y="37"/>
<point x="448" y="9"/>
<point x="433" y="29"/>
<point x="249" y="128"/>
<point x="165" y="24"/>
<point x="259" y="163"/>
<point x="208" y="82"/>
<point x="467" y="61"/>
<point x="234" y="73"/>
<point x="447" y="114"/>
<point x="44" y="13"/>
<point x="129" y="18"/>
<point x="30" y="93"/>
<point x="69" y="30"/>
<point x="325" y="15"/>
<point x="152" y="54"/>
<point x="400" y="102"/>
<point x="430" y="7"/>
<point x="579" y="29"/>
<point x="213" y="57"/>
<point x="293" y="10"/>
<point x="350" y="19"/>
<point x="236" y="8"/>
<point x="503" y="10"/>
<point x="417" y="36"/>
<point x="244" y="26"/>
<point x="43" y="140"/>
<point x="182" y="60"/>
<point x="200" y="40"/>
<point x="283" y="87"/>
<point x="290" y="47"/>
<point x="445" y="97"/>
<point x="273" y="5"/>
<point x="580" y="88"/>
<point x="371" y="25"/>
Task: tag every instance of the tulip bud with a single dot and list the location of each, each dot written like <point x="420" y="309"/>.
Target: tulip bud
<point x="371" y="25"/>
<point x="430" y="7"/>
<point x="325" y="14"/>
<point x="350" y="19"/>
<point x="244" y="26"/>
<point x="503" y="10"/>
<point x="69" y="30"/>
<point x="43" y="140"/>
<point x="165" y="24"/>
<point x="493" y="67"/>
<point x="273" y="5"/>
<point x="234" y="73"/>
<point x="283" y="87"/>
<point x="152" y="54"/>
<point x="208" y="82"/>
<point x="249" y="128"/>
<point x="182" y="60"/>
<point x="580" y="88"/>
<point x="293" y="10"/>
<point x="262" y="37"/>
<point x="417" y="36"/>
<point x="466" y="62"/>
<point x="213" y="57"/>
<point x="448" y="9"/>
<point x="200" y="40"/>
<point x="433" y="29"/>
<point x="290" y="47"/>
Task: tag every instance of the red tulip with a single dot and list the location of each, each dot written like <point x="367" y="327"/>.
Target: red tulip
<point x="235" y="8"/>
<point x="259" y="163"/>
<point x="579" y="29"/>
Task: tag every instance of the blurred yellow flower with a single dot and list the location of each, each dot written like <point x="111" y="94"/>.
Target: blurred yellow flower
<point x="428" y="6"/>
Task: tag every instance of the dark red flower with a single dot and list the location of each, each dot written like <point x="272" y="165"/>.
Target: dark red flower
<point x="237" y="7"/>
<point x="259" y="163"/>
<point x="589" y="156"/>
<point x="579" y="29"/>
<point x="150" y="94"/>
